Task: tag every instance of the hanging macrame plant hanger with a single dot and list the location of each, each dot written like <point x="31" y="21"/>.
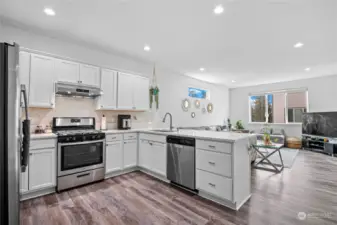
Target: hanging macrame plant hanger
<point x="154" y="90"/>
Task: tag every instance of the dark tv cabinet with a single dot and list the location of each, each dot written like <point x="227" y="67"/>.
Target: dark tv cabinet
<point x="319" y="144"/>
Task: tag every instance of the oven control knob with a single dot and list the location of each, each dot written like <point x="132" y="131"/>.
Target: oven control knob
<point x="67" y="139"/>
<point x="93" y="137"/>
<point x="84" y="138"/>
<point x="74" y="138"/>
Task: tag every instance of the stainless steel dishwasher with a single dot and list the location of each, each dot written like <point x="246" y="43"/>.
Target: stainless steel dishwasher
<point x="181" y="161"/>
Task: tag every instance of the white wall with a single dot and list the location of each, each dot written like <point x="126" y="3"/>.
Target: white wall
<point x="173" y="86"/>
<point x="322" y="94"/>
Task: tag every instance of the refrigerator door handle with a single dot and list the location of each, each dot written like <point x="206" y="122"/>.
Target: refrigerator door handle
<point x="25" y="132"/>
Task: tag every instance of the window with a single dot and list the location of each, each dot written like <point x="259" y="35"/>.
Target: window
<point x="278" y="107"/>
<point x="258" y="108"/>
<point x="198" y="93"/>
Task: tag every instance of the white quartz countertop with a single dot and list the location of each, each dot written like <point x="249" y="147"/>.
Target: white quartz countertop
<point x="199" y="134"/>
<point x="42" y="136"/>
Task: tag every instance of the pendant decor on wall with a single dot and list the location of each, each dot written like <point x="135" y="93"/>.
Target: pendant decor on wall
<point x="185" y="105"/>
<point x="193" y="114"/>
<point x="197" y="104"/>
<point x="210" y="108"/>
<point x="154" y="90"/>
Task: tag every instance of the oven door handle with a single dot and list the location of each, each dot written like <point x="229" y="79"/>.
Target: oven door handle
<point x="81" y="143"/>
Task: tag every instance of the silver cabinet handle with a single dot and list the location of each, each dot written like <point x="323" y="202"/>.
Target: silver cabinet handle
<point x="213" y="185"/>
<point x="211" y="146"/>
<point x="113" y="138"/>
<point x="212" y="163"/>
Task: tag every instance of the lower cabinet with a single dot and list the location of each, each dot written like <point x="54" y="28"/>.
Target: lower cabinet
<point x="130" y="153"/>
<point x="24" y="181"/>
<point x="158" y="151"/>
<point x="152" y="156"/>
<point x="145" y="157"/>
<point x="42" y="169"/>
<point x="114" y="157"/>
<point x="214" y="184"/>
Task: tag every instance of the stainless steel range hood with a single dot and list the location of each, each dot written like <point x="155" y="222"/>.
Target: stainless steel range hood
<point x="75" y="89"/>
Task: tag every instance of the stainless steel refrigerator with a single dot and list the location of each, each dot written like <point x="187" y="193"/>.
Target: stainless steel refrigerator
<point x="14" y="134"/>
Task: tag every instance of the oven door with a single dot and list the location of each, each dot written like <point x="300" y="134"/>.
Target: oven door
<point x="81" y="156"/>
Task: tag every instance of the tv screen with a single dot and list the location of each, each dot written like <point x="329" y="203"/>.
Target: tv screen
<point x="320" y="124"/>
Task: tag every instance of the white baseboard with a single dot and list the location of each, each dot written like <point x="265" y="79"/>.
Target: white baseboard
<point x="38" y="193"/>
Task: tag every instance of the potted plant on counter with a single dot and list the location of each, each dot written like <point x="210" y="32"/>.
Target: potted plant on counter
<point x="239" y="125"/>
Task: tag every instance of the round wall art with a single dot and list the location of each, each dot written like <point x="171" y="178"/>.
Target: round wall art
<point x="193" y="114"/>
<point x="197" y="104"/>
<point x="210" y="108"/>
<point x="185" y="105"/>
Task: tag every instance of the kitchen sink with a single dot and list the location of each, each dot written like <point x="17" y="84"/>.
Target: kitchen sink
<point x="166" y="131"/>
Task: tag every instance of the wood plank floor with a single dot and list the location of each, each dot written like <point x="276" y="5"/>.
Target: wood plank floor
<point x="136" y="198"/>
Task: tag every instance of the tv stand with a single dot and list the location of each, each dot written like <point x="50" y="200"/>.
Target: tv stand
<point x="319" y="144"/>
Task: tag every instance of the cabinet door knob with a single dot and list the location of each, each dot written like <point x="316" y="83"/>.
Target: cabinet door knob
<point x="30" y="153"/>
<point x="212" y="163"/>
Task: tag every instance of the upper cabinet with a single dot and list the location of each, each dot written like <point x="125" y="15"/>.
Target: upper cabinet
<point x="141" y="93"/>
<point x="67" y="71"/>
<point x="133" y="92"/>
<point x="125" y="91"/>
<point x="109" y="87"/>
<point x="41" y="91"/>
<point x="121" y="91"/>
<point x="89" y="75"/>
<point x="24" y="61"/>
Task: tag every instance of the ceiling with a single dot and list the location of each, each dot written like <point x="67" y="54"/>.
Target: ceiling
<point x="252" y="42"/>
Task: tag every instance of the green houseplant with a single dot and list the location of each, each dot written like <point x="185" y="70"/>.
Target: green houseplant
<point x="239" y="125"/>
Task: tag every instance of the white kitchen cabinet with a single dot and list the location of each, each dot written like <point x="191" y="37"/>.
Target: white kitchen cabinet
<point x="152" y="156"/>
<point x="158" y="151"/>
<point x="67" y="71"/>
<point x="114" y="157"/>
<point x="89" y="75"/>
<point x="130" y="153"/>
<point x="125" y="91"/>
<point x="42" y="169"/>
<point x="24" y="62"/>
<point x="24" y="181"/>
<point x="133" y="92"/>
<point x="141" y="93"/>
<point x="144" y="156"/>
<point x="109" y="87"/>
<point x="42" y="79"/>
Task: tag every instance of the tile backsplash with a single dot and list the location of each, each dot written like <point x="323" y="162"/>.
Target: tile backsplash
<point x="84" y="107"/>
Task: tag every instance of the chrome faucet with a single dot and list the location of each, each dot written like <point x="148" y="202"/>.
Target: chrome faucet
<point x="171" y="127"/>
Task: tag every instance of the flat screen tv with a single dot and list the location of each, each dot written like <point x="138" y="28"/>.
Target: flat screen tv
<point x="320" y="124"/>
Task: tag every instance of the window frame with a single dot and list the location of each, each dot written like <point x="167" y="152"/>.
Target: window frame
<point x="208" y="93"/>
<point x="286" y="105"/>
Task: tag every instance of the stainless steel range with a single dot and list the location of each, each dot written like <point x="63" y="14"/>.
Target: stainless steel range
<point x="80" y="150"/>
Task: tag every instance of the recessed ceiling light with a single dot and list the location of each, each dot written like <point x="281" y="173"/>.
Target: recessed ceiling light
<point x="49" y="11"/>
<point x="202" y="69"/>
<point x="307" y="69"/>
<point x="218" y="9"/>
<point x="233" y="81"/>
<point x="147" y="48"/>
<point x="298" y="45"/>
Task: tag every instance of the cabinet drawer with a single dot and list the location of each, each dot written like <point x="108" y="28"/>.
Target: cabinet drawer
<point x="42" y="144"/>
<point x="214" y="146"/>
<point x="113" y="137"/>
<point x="214" y="162"/>
<point x="216" y="185"/>
<point x="130" y="136"/>
<point x="153" y="137"/>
